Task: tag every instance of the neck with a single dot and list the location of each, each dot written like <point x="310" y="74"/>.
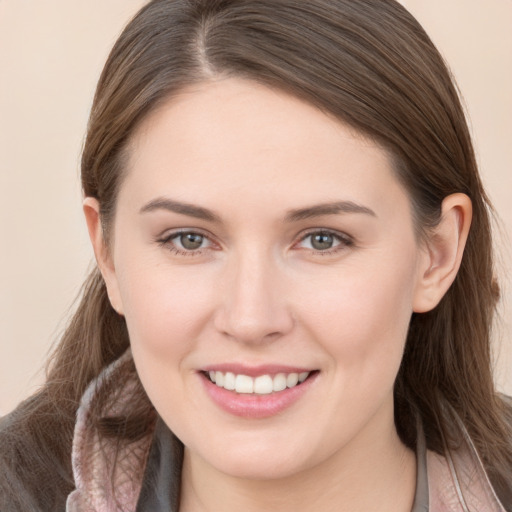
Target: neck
<point x="374" y="473"/>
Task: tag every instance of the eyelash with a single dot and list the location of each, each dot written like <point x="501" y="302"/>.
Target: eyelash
<point x="344" y="241"/>
<point x="167" y="243"/>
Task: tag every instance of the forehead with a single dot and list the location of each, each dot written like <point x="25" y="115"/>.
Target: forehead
<point x="234" y="137"/>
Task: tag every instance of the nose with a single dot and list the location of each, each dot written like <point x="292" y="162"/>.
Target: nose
<point x="253" y="308"/>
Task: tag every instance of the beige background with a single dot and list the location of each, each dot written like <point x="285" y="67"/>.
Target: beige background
<point x="51" y="53"/>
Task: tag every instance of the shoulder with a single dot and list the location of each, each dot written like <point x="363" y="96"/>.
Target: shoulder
<point x="32" y="479"/>
<point x="502" y="477"/>
<point x="507" y="415"/>
<point x="507" y="401"/>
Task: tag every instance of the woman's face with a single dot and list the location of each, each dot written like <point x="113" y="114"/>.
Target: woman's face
<point x="258" y="242"/>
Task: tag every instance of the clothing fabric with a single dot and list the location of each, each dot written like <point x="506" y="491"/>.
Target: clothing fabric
<point x="145" y="477"/>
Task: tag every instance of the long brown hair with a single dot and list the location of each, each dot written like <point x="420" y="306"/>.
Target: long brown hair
<point x="371" y="65"/>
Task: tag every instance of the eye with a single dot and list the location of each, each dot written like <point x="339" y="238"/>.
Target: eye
<point x="325" y="241"/>
<point x="190" y="241"/>
<point x="186" y="242"/>
<point x="322" y="241"/>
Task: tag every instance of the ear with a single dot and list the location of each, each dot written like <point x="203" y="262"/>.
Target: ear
<point x="102" y="253"/>
<point x="443" y="252"/>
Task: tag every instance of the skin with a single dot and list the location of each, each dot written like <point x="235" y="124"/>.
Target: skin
<point x="258" y="291"/>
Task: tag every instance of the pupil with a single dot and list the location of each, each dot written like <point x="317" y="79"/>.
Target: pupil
<point x="322" y="241"/>
<point x="191" y="241"/>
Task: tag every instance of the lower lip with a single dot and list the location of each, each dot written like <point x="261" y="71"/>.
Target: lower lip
<point x="254" y="406"/>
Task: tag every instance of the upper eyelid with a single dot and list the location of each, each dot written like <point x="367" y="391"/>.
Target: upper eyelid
<point x="339" y="234"/>
<point x="169" y="234"/>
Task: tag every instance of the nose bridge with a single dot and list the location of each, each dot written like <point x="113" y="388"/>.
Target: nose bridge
<point x="253" y="307"/>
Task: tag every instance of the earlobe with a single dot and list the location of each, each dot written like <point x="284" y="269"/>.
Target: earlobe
<point x="101" y="251"/>
<point x="443" y="252"/>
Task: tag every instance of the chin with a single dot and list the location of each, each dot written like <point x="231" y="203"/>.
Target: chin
<point x="260" y="468"/>
<point x="257" y="461"/>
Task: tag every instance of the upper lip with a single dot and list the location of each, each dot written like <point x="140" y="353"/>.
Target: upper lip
<point x="255" y="371"/>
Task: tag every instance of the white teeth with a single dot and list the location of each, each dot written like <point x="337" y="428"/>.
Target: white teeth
<point x="243" y="384"/>
<point x="229" y="381"/>
<point x="303" y="376"/>
<point x="279" y="382"/>
<point x="292" y="380"/>
<point x="261" y="385"/>
<point x="219" y="379"/>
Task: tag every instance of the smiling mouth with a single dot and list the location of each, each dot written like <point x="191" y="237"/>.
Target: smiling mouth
<point x="261" y="385"/>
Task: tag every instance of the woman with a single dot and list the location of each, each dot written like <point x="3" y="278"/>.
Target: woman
<point x="294" y="288"/>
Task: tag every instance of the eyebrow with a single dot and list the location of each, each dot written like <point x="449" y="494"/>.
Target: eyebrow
<point x="328" y="209"/>
<point x="335" y="208"/>
<point x="163" y="203"/>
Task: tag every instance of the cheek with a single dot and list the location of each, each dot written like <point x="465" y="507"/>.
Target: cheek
<point x="166" y="311"/>
<point x="362" y="319"/>
<point x="165" y="308"/>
